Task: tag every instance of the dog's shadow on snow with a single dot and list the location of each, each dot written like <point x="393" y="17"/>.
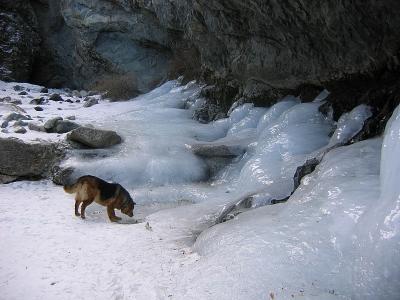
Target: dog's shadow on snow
<point x="98" y="215"/>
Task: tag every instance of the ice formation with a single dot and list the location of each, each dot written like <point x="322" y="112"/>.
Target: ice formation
<point x="337" y="236"/>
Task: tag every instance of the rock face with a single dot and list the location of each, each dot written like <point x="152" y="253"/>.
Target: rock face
<point x="248" y="50"/>
<point x="19" y="40"/>
<point x="94" y="138"/>
<point x="263" y="44"/>
<point x="86" y="40"/>
<point x="20" y="159"/>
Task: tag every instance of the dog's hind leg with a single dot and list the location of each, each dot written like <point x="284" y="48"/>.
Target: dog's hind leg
<point x="111" y="214"/>
<point x="83" y="207"/>
<point x="77" y="203"/>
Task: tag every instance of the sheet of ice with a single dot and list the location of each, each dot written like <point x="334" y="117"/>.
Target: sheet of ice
<point x="349" y="124"/>
<point x="322" y="96"/>
<point x="155" y="129"/>
<point x="275" y="111"/>
<point x="266" y="168"/>
<point x="377" y="262"/>
<point x="304" y="248"/>
<point x="249" y="121"/>
<point x="283" y="146"/>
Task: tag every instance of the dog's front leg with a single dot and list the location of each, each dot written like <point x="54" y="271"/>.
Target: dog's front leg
<point x="111" y="214"/>
<point x="77" y="203"/>
<point x="83" y="207"/>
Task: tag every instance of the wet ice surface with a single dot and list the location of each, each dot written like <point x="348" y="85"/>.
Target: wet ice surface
<point x="325" y="242"/>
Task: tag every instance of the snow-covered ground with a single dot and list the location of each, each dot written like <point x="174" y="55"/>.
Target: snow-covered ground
<point x="337" y="237"/>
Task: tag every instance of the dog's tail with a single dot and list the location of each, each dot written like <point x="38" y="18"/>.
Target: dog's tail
<point x="71" y="189"/>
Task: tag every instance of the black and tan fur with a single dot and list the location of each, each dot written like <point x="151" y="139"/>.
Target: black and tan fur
<point x="113" y="195"/>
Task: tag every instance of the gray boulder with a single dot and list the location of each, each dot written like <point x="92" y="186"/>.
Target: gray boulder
<point x="94" y="138"/>
<point x="37" y="101"/>
<point x="36" y="127"/>
<point x="21" y="159"/>
<point x="5" y="99"/>
<point x="20" y="123"/>
<point x="83" y="93"/>
<point x="227" y="147"/>
<point x="50" y="124"/>
<point x="216" y="150"/>
<point x="58" y="125"/>
<point x="16" y="117"/>
<point x="20" y="129"/>
<point x="76" y="93"/>
<point x="18" y="88"/>
<point x="64" y="126"/>
<point x="90" y="102"/>
<point x="8" y="107"/>
<point x="56" y="97"/>
<point x="16" y="101"/>
<point x="7" y="179"/>
<point x="62" y="176"/>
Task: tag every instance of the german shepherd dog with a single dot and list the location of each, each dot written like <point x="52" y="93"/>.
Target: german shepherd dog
<point x="90" y="188"/>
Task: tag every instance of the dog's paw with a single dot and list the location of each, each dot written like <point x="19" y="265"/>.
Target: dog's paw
<point x="77" y="214"/>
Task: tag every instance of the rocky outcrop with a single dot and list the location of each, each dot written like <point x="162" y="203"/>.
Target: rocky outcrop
<point x="27" y="160"/>
<point x="94" y="138"/>
<point x="19" y="40"/>
<point x="262" y="45"/>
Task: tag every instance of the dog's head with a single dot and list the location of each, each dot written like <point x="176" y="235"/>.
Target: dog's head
<point x="128" y="204"/>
